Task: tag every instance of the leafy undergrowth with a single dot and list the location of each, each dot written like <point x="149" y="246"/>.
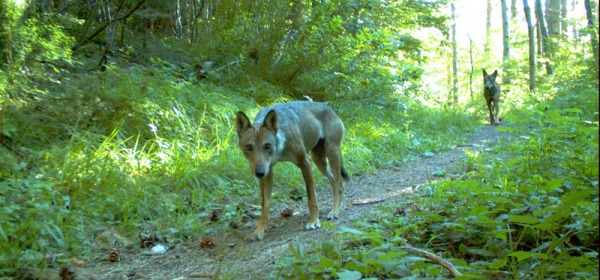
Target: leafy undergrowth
<point x="148" y="152"/>
<point x="529" y="210"/>
<point x="143" y="152"/>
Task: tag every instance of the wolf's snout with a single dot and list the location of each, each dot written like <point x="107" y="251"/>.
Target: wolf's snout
<point x="260" y="173"/>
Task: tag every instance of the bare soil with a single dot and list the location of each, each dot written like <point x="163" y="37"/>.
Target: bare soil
<point x="233" y="255"/>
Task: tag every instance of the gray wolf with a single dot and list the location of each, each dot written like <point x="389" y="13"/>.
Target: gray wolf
<point x="286" y="132"/>
<point x="491" y="93"/>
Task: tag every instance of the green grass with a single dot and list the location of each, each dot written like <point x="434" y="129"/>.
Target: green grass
<point x="143" y="151"/>
<point x="527" y="210"/>
<point x="133" y="150"/>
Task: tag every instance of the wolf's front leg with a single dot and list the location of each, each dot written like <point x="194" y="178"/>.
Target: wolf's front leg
<point x="266" y="185"/>
<point x="496" y="111"/>
<point x="490" y="110"/>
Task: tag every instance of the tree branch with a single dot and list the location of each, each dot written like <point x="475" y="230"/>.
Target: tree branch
<point x="444" y="263"/>
<point x="89" y="38"/>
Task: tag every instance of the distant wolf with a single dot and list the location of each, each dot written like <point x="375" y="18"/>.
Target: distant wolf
<point x="286" y="132"/>
<point x="491" y="93"/>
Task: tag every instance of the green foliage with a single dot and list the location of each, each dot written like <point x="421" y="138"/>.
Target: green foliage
<point x="150" y="149"/>
<point x="32" y="47"/>
<point x="42" y="41"/>
<point x="529" y="210"/>
<point x="325" y="50"/>
<point x="140" y="149"/>
<point x="31" y="39"/>
<point x="30" y="222"/>
<point x="395" y="132"/>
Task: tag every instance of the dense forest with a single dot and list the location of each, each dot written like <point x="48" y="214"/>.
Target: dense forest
<point x="119" y="157"/>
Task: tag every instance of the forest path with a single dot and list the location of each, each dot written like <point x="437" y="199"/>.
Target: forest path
<point x="233" y="255"/>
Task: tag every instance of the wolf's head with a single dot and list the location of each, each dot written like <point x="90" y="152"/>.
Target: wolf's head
<point x="489" y="80"/>
<point x="261" y="143"/>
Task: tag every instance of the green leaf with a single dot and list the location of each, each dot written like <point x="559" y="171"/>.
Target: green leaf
<point x="499" y="263"/>
<point x="522" y="219"/>
<point x="566" y="203"/>
<point x="351" y="230"/>
<point x="349" y="275"/>
<point x="356" y="266"/>
<point x="433" y="270"/>
<point x="523" y="255"/>
<point x="325" y="262"/>
<point x="9" y="129"/>
<point x="481" y="252"/>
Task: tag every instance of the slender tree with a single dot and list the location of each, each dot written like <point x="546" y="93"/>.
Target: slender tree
<point x="488" y="27"/>
<point x="531" y="34"/>
<point x="110" y="18"/>
<point x="553" y="18"/>
<point x="472" y="66"/>
<point x="5" y="35"/>
<point x="574" y="27"/>
<point x="590" y="6"/>
<point x="454" y="57"/>
<point x="505" y="41"/>
<point x="564" y="24"/>
<point x="545" y="46"/>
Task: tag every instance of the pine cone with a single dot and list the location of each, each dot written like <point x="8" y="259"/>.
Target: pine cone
<point x="207" y="242"/>
<point x="147" y="242"/>
<point x="287" y="212"/>
<point x="214" y="216"/>
<point x="66" y="274"/>
<point x="114" y="255"/>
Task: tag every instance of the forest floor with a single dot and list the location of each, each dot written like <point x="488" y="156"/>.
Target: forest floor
<point x="239" y="258"/>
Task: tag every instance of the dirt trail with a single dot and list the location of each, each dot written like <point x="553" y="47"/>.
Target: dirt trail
<point x="233" y="254"/>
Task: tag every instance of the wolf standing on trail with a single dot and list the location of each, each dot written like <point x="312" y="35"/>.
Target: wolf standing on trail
<point x="286" y="132"/>
<point x="491" y="93"/>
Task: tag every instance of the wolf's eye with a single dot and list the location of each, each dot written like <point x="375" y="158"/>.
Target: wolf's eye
<point x="248" y="148"/>
<point x="268" y="146"/>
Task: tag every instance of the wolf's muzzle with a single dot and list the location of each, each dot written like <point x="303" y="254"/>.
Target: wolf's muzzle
<point x="260" y="173"/>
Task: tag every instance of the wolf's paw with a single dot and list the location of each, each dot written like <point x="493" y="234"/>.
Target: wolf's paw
<point x="333" y="215"/>
<point x="313" y="225"/>
<point x="257" y="235"/>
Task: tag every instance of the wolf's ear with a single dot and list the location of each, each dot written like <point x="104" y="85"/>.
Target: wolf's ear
<point x="495" y="74"/>
<point x="242" y="122"/>
<point x="484" y="73"/>
<point x="271" y="120"/>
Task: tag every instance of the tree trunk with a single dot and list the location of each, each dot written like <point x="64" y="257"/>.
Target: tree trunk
<point x="527" y="11"/>
<point x="538" y="37"/>
<point x="546" y="46"/>
<point x="505" y="41"/>
<point x="488" y="27"/>
<point x="513" y="9"/>
<point x="5" y="35"/>
<point x="106" y="25"/>
<point x="454" y="58"/>
<point x="553" y="17"/>
<point x="574" y="27"/>
<point x="197" y="10"/>
<point x="177" y="19"/>
<point x="590" y="6"/>
<point x="472" y="66"/>
<point x="564" y="24"/>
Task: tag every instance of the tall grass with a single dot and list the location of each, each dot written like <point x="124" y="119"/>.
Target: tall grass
<point x="140" y="150"/>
